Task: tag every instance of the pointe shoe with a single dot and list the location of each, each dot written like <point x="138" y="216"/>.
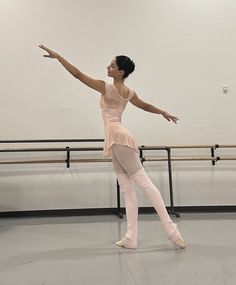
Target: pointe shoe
<point x="180" y="243"/>
<point x="125" y="242"/>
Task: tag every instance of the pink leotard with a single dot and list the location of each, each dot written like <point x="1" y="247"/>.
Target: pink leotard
<point x="112" y="106"/>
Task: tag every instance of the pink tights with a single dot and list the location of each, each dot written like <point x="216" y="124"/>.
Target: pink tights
<point x="129" y="169"/>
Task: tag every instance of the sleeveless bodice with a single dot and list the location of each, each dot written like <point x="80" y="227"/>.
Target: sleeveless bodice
<point x="112" y="105"/>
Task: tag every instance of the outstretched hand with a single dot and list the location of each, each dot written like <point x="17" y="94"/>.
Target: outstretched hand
<point x="170" y="117"/>
<point x="51" y="53"/>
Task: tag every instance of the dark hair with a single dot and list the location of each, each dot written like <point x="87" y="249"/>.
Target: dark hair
<point x="126" y="64"/>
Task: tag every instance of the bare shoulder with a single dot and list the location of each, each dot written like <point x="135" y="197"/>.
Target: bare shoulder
<point x="136" y="101"/>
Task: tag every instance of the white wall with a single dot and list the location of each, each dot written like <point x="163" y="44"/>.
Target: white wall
<point x="184" y="53"/>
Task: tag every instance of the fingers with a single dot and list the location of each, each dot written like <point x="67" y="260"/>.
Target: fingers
<point x="50" y="53"/>
<point x="42" y="47"/>
<point x="171" y="118"/>
<point x="174" y="119"/>
<point x="45" y="48"/>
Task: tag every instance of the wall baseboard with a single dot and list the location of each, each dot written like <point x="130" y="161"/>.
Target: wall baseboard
<point x="113" y="211"/>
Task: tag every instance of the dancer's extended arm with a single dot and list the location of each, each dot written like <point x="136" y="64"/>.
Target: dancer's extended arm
<point x="95" y="84"/>
<point x="136" y="101"/>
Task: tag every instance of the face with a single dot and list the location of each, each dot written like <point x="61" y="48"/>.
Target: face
<point x="113" y="70"/>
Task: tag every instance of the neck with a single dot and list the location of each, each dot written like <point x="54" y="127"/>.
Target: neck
<point x="118" y="81"/>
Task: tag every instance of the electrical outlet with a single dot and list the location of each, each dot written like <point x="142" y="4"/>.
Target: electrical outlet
<point x="225" y="89"/>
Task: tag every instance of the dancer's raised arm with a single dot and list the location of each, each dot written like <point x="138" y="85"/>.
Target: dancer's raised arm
<point x="95" y="84"/>
<point x="136" y="101"/>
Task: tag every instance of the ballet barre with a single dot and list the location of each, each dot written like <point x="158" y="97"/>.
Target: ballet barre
<point x="68" y="160"/>
<point x="142" y="149"/>
<point x="171" y="158"/>
<point x="182" y="158"/>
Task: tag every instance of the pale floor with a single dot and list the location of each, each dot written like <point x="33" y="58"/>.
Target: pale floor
<point x="81" y="250"/>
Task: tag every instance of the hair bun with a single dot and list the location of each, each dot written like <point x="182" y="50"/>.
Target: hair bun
<point x="125" y="63"/>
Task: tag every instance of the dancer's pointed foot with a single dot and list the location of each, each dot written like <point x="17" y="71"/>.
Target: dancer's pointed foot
<point x="127" y="243"/>
<point x="180" y="243"/>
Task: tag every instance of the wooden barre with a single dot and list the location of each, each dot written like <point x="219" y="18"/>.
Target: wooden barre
<point x="177" y="146"/>
<point x="88" y="160"/>
<point x="180" y="158"/>
<point x="227" y="146"/>
<point x="188" y="158"/>
<point x="227" y="158"/>
<point x="189" y="146"/>
<point x="101" y="148"/>
<point x="91" y="160"/>
<point x="82" y="160"/>
<point x="51" y="149"/>
<point x="33" y="161"/>
<point x="102" y="140"/>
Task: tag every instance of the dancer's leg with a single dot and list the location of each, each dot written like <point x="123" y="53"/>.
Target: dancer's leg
<point x="131" y="205"/>
<point x="143" y="181"/>
<point x="131" y="164"/>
